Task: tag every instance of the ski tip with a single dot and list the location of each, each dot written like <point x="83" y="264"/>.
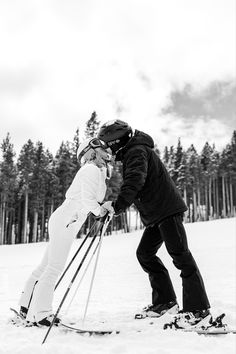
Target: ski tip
<point x="14" y="310"/>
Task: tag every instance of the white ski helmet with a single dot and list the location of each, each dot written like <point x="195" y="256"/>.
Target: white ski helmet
<point x="88" y="147"/>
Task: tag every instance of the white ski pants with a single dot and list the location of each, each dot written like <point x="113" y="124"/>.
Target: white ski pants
<point x="37" y="295"/>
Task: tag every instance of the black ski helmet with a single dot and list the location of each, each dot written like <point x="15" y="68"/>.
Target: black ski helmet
<point x="115" y="133"/>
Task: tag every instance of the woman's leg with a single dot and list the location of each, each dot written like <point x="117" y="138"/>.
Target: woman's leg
<point x="27" y="293"/>
<point x="61" y="238"/>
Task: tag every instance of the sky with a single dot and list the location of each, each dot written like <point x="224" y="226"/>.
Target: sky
<point x="151" y="63"/>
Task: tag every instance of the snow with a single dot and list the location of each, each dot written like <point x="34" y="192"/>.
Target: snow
<point x="121" y="289"/>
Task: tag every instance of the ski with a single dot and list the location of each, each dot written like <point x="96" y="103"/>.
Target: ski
<point x="215" y="327"/>
<point x="17" y="313"/>
<point x="211" y="331"/>
<point x="19" y="320"/>
<point x="67" y="328"/>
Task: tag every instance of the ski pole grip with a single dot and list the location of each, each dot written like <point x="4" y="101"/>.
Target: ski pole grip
<point x="103" y="218"/>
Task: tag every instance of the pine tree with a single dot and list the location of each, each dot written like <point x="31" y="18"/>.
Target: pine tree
<point x="213" y="186"/>
<point x="233" y="174"/>
<point x="64" y="169"/>
<point x="157" y="151"/>
<point x="7" y="189"/>
<point x="227" y="171"/>
<point x="192" y="162"/>
<point x="233" y="149"/>
<point x="92" y="126"/>
<point x="53" y="187"/>
<point x="179" y="168"/>
<point x="208" y="161"/>
<point x="171" y="162"/>
<point x="75" y="145"/>
<point x="183" y="176"/>
<point x="39" y="185"/>
<point x="166" y="156"/>
<point x="74" y="149"/>
<point x="25" y="164"/>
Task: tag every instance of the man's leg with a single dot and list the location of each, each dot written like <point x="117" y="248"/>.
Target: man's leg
<point x="174" y="236"/>
<point x="162" y="288"/>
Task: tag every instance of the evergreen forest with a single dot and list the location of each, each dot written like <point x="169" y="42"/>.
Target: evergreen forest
<point x="33" y="184"/>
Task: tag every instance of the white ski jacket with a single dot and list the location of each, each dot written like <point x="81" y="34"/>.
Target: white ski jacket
<point x="88" y="189"/>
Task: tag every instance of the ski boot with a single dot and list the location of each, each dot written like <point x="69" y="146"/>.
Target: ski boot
<point x="158" y="310"/>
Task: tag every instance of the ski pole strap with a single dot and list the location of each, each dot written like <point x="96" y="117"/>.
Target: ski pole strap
<point x="106" y="218"/>
<point x="102" y="218"/>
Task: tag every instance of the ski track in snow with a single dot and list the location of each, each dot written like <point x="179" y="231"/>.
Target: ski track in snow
<point x="120" y="290"/>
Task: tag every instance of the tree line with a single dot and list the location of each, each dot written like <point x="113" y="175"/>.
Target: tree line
<point x="34" y="184"/>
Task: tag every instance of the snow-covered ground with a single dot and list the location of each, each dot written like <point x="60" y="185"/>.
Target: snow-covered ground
<point x="121" y="289"/>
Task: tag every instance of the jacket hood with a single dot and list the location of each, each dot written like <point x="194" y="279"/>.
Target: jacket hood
<point x="139" y="138"/>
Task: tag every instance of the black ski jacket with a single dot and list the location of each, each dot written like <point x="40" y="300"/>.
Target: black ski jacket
<point x="146" y="182"/>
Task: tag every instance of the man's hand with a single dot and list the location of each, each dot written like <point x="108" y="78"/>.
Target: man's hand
<point x="107" y="207"/>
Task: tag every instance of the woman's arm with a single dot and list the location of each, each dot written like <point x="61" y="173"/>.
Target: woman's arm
<point x="90" y="183"/>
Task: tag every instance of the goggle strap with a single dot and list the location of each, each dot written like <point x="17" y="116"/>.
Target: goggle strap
<point x="93" y="145"/>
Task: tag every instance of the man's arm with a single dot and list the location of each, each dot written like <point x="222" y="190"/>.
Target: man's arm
<point x="135" y="173"/>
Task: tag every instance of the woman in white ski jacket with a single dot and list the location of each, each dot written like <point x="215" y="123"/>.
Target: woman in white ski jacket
<point x="84" y="195"/>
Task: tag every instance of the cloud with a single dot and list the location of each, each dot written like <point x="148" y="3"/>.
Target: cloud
<point x="61" y="60"/>
<point x="216" y="101"/>
<point x="197" y="132"/>
<point x="19" y="82"/>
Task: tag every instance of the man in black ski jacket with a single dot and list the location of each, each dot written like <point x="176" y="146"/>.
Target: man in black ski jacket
<point x="147" y="184"/>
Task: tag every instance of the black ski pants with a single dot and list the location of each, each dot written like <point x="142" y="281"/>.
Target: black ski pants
<point x="171" y="231"/>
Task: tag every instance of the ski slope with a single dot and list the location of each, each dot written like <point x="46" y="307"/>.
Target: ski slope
<point x="121" y="289"/>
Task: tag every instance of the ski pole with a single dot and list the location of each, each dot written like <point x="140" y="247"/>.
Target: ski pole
<point x="71" y="282"/>
<point x="68" y="289"/>
<point x="96" y="262"/>
<point x="81" y="279"/>
<point x="76" y="253"/>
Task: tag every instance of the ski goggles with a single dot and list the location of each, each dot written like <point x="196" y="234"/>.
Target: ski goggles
<point x="94" y="144"/>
